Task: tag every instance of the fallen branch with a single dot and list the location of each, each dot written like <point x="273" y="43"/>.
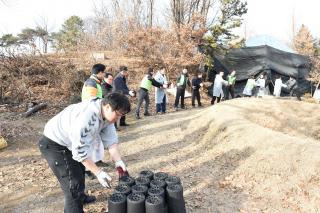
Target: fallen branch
<point x="35" y="109"/>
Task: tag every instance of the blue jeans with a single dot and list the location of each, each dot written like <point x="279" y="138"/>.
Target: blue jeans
<point x="162" y="107"/>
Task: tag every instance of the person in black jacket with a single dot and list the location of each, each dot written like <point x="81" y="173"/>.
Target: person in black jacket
<point x="182" y="82"/>
<point x="120" y="85"/>
<point x="145" y="86"/>
<point x="196" y="84"/>
<point x="293" y="87"/>
<point x="106" y="84"/>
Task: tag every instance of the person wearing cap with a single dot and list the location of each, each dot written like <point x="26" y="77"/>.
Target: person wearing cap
<point x="106" y="84"/>
<point x="182" y="82"/>
<point x="145" y="86"/>
<point x="67" y="143"/>
<point x="92" y="86"/>
<point x="120" y="85"/>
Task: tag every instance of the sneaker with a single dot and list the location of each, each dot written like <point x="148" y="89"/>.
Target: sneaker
<point x="163" y="112"/>
<point x="176" y="109"/>
<point x="137" y="116"/>
<point x="89" y="199"/>
<point x="125" y="124"/>
<point x="147" y="114"/>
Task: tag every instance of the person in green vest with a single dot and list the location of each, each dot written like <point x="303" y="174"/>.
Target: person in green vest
<point x="182" y="82"/>
<point x="143" y="94"/>
<point x="231" y="78"/>
<point x="251" y="84"/>
<point x="92" y="86"/>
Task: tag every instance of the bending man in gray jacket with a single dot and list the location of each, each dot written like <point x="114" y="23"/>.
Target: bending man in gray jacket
<point x="69" y="139"/>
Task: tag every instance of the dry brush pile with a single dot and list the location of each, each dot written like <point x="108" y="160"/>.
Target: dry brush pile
<point x="28" y="78"/>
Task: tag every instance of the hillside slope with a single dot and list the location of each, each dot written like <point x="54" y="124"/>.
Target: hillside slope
<point x="244" y="155"/>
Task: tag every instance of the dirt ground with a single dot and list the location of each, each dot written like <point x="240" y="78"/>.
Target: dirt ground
<point x="244" y="155"/>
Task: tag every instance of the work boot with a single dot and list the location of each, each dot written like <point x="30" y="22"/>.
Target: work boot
<point x="147" y="114"/>
<point x="89" y="199"/>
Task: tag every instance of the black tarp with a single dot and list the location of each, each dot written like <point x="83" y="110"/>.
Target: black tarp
<point x="262" y="59"/>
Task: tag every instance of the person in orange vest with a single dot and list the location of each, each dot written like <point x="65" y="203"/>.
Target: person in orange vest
<point x="92" y="86"/>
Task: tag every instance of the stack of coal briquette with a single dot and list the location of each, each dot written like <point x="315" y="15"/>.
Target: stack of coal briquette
<point x="148" y="193"/>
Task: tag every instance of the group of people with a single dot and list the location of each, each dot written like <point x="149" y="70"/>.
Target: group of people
<point x="224" y="88"/>
<point x="74" y="140"/>
<point x="219" y="85"/>
<point x="161" y="83"/>
<point x="262" y="85"/>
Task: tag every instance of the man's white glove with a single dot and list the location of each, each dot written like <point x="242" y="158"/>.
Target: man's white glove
<point x="131" y="93"/>
<point x="201" y="84"/>
<point x="121" y="164"/>
<point x="104" y="179"/>
<point x="165" y="86"/>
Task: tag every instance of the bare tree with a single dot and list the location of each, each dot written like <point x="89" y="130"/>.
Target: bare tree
<point x="178" y="10"/>
<point x="150" y="12"/>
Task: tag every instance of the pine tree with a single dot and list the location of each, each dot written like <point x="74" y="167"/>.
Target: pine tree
<point x="303" y="42"/>
<point x="70" y="35"/>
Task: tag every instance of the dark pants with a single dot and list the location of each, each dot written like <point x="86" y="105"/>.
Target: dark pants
<point x="162" y="107"/>
<point x="296" y="91"/>
<point x="214" y="99"/>
<point x="70" y="173"/>
<point x="143" y="95"/>
<point x="195" y="94"/>
<point x="179" y="94"/>
<point x="230" y="91"/>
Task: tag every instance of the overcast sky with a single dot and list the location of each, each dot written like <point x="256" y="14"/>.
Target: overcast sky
<point x="271" y="17"/>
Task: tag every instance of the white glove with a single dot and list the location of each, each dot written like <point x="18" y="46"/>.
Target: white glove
<point x="121" y="164"/>
<point x="104" y="179"/>
<point x="165" y="86"/>
<point x="201" y="84"/>
<point x="131" y="93"/>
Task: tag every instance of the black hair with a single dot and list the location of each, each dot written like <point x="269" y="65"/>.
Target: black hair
<point x="106" y="75"/>
<point x="123" y="68"/>
<point x="149" y="70"/>
<point x="118" y="102"/>
<point x="98" y="68"/>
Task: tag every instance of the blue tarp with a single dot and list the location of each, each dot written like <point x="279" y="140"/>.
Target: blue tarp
<point x="269" y="41"/>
